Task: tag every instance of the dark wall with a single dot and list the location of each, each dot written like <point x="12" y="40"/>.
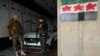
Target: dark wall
<point x="5" y="43"/>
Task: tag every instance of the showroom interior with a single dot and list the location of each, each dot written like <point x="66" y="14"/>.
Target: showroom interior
<point x="29" y="12"/>
<point x="73" y="26"/>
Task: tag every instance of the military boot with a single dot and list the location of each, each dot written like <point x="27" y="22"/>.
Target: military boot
<point x="16" y="53"/>
<point x="23" y="53"/>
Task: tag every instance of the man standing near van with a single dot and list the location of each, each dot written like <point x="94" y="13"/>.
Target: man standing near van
<point x="42" y="31"/>
<point x="15" y="34"/>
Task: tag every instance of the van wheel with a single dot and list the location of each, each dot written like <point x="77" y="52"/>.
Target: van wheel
<point x="48" y="47"/>
<point x="52" y="44"/>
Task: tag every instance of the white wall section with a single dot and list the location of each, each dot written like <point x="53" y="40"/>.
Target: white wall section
<point x="79" y="38"/>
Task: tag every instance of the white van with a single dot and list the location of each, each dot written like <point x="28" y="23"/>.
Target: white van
<point x="31" y="40"/>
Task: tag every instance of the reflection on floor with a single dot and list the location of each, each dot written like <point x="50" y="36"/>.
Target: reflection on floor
<point x="10" y="52"/>
<point x="7" y="52"/>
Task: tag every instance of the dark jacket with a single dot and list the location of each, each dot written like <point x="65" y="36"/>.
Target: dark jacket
<point x="43" y="29"/>
<point x="14" y="28"/>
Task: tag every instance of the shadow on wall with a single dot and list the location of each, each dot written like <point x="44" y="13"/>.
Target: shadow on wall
<point x="5" y="43"/>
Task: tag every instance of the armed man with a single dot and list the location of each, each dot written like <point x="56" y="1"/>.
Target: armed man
<point x="15" y="34"/>
<point x="42" y="31"/>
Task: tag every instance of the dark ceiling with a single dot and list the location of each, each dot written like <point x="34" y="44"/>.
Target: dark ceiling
<point x="36" y="7"/>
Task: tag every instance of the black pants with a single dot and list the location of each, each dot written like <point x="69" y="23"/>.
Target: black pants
<point x="43" y="41"/>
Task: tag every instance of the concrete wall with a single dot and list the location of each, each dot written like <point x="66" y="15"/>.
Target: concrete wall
<point x="4" y="17"/>
<point x="80" y="38"/>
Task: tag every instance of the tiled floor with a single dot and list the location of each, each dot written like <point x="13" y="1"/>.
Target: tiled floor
<point x="10" y="52"/>
<point x="7" y="52"/>
<point x="51" y="53"/>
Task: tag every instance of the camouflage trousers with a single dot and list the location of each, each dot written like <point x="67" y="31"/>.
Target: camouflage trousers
<point x="43" y="41"/>
<point x="18" y="42"/>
